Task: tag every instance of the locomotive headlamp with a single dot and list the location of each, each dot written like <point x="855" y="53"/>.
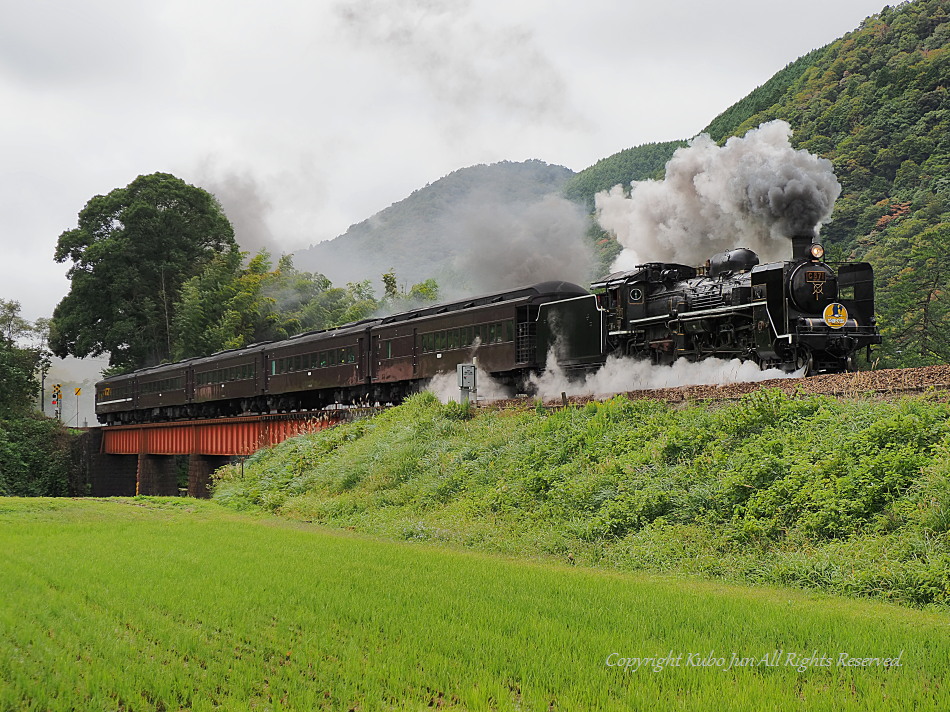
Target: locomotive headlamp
<point x="816" y="251"/>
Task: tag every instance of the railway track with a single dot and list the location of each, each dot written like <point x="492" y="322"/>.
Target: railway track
<point x="884" y="381"/>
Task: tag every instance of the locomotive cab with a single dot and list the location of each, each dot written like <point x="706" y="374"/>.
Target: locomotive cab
<point x="632" y="295"/>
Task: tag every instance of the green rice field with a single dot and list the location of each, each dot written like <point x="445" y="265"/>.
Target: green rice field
<point x="173" y="604"/>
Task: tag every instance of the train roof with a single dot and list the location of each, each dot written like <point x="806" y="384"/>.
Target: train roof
<point x="535" y="291"/>
<point x="250" y="349"/>
<point x="146" y="371"/>
<point x="554" y="288"/>
<point x="343" y="329"/>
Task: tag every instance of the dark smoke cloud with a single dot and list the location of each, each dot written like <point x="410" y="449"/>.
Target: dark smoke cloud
<point x="465" y="64"/>
<point x="755" y="191"/>
<point x="508" y="245"/>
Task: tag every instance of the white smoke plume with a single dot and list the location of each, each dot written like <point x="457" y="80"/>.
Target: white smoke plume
<point x="465" y="63"/>
<point x="755" y="191"/>
<point x="619" y="375"/>
<point x="445" y="387"/>
<point x="511" y="245"/>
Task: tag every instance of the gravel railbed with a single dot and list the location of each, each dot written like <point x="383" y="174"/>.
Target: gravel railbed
<point x="885" y="381"/>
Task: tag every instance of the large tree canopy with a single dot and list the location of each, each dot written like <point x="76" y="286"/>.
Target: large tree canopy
<point x="131" y="253"/>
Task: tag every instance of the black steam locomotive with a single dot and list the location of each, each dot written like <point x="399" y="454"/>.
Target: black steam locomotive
<point x="795" y="315"/>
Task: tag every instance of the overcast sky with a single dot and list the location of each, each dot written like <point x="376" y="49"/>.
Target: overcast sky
<point x="306" y="117"/>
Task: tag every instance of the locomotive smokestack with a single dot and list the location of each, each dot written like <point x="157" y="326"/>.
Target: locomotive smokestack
<point x="800" y="244"/>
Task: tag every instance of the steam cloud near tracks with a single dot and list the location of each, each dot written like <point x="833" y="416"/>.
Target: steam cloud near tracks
<point x="617" y="375"/>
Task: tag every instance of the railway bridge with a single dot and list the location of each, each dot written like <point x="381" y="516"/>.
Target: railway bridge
<point x="156" y="458"/>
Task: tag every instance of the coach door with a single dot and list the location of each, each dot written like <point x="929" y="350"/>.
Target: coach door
<point x="373" y="371"/>
<point x="189" y="385"/>
<point x="415" y="352"/>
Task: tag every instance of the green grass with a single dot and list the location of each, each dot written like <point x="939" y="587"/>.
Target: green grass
<point x="149" y="604"/>
<point x="847" y="496"/>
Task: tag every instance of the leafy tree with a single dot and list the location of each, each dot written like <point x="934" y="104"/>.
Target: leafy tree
<point x="228" y="306"/>
<point x="12" y="325"/>
<point x="19" y="364"/>
<point x="397" y="300"/>
<point x="131" y="253"/>
<point x="390" y="285"/>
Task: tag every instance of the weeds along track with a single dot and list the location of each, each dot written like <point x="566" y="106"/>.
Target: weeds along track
<point x="884" y="381"/>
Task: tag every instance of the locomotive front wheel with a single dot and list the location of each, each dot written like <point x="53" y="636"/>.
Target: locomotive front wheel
<point x="804" y="361"/>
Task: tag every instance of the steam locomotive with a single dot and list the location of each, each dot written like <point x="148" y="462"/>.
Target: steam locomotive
<point x="796" y="315"/>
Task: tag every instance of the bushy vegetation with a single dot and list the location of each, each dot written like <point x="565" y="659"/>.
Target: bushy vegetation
<point x="35" y="458"/>
<point x="172" y="604"/>
<point x="35" y="451"/>
<point x="847" y="496"/>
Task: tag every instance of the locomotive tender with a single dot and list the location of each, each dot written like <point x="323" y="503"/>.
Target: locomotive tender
<point x="795" y="315"/>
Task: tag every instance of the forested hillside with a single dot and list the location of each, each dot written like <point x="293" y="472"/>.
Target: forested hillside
<point x="419" y="237"/>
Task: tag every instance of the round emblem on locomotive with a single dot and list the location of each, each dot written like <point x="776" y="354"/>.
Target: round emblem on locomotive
<point x="835" y="315"/>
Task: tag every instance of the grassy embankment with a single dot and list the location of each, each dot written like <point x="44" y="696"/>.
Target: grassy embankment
<point x="848" y="496"/>
<point x="182" y="605"/>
